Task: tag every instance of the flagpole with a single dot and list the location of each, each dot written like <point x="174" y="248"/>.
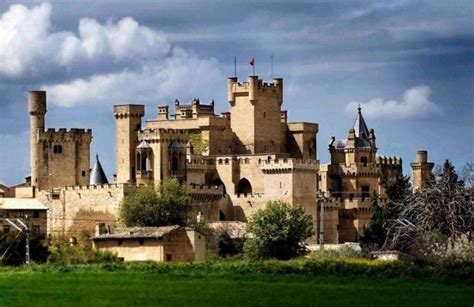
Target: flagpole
<point x="253" y="66"/>
<point x="235" y="66"/>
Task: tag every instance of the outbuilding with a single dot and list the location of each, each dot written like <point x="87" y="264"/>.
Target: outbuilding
<point x="166" y="243"/>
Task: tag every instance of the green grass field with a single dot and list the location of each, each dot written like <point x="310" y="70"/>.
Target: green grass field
<point x="151" y="288"/>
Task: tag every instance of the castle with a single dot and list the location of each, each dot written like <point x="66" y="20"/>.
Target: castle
<point x="233" y="163"/>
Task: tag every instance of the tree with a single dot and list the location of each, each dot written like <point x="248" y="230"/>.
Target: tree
<point x="148" y="207"/>
<point x="15" y="247"/>
<point x="431" y="218"/>
<point x="375" y="234"/>
<point x="278" y="231"/>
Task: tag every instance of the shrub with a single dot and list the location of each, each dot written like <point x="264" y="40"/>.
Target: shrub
<point x="147" y="207"/>
<point x="228" y="247"/>
<point x="14" y="248"/>
<point x="278" y="231"/>
<point x="65" y="254"/>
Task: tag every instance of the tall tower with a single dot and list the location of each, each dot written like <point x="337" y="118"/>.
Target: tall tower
<point x="421" y="169"/>
<point x="128" y="122"/>
<point x="256" y="113"/>
<point x="37" y="109"/>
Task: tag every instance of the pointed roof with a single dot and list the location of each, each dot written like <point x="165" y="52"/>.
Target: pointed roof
<point x="97" y="174"/>
<point x="361" y="130"/>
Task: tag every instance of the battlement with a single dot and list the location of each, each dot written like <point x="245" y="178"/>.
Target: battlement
<point x="129" y="110"/>
<point x="384" y="160"/>
<point x="254" y="88"/>
<point x="66" y="135"/>
<point x="207" y="189"/>
<point x="162" y="134"/>
<point x="288" y="165"/>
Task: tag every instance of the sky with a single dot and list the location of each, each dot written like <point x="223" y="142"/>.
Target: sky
<point x="409" y="64"/>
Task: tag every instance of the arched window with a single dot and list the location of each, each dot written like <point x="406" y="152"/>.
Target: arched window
<point x="363" y="160"/>
<point x="244" y="187"/>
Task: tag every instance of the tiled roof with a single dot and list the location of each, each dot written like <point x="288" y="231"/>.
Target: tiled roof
<point x="21" y="204"/>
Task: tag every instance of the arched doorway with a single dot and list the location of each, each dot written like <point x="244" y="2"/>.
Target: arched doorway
<point x="244" y="187"/>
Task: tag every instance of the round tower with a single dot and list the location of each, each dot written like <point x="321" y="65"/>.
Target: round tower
<point x="37" y="110"/>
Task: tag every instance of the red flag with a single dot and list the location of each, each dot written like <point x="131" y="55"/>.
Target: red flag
<point x="252" y="62"/>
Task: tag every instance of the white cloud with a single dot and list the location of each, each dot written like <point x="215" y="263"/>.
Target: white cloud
<point x="106" y="62"/>
<point x="415" y="102"/>
<point x="28" y="47"/>
<point x="175" y="75"/>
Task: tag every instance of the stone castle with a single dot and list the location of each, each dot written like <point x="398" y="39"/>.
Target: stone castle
<point x="234" y="163"/>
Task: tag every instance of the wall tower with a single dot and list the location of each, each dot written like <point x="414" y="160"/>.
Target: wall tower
<point x="128" y="123"/>
<point x="421" y="169"/>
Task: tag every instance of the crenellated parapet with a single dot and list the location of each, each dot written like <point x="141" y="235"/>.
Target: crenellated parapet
<point x="63" y="135"/>
<point x="129" y="111"/>
<point x="254" y="88"/>
<point x="289" y="165"/>
<point x="386" y="160"/>
<point x="163" y="135"/>
<point x="205" y="192"/>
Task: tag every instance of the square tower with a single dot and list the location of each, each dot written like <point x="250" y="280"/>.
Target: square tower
<point x="256" y="114"/>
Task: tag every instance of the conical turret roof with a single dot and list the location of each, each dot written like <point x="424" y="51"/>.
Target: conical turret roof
<point x="97" y="174"/>
<point x="361" y="130"/>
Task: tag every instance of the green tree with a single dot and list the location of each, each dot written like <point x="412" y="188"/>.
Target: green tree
<point x="278" y="231"/>
<point x="15" y="247"/>
<point x="148" y="207"/>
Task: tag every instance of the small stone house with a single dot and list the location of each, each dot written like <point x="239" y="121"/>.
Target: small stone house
<point x="30" y="211"/>
<point x="167" y="243"/>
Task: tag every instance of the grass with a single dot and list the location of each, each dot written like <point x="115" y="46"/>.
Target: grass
<point x="218" y="285"/>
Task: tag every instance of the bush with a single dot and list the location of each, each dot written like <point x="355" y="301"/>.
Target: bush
<point x="278" y="231"/>
<point x="147" y="207"/>
<point x="228" y="247"/>
<point x="65" y="254"/>
<point x="15" y="255"/>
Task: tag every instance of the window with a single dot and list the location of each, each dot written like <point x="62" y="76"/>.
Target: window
<point x="365" y="192"/>
<point x="36" y="214"/>
<point x="21" y="213"/>
<point x="141" y="241"/>
<point x="363" y="160"/>
<point x="57" y="149"/>
<point x="83" y="173"/>
<point x="351" y="197"/>
<point x="264" y="114"/>
<point x="6" y="229"/>
<point x="168" y="257"/>
<point x="119" y="242"/>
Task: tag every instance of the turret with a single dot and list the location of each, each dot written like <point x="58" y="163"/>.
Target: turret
<point x="162" y="112"/>
<point x="37" y="110"/>
<point x="421" y="169"/>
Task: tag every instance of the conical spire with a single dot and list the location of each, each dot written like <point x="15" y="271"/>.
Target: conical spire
<point x="361" y="130"/>
<point x="97" y="174"/>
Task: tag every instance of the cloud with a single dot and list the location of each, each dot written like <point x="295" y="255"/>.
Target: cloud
<point x="415" y="103"/>
<point x="101" y="62"/>
<point x="180" y="74"/>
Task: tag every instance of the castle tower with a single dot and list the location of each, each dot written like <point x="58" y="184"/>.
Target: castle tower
<point x="256" y="114"/>
<point x="421" y="169"/>
<point x="128" y="123"/>
<point x="37" y="110"/>
<point x="58" y="157"/>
